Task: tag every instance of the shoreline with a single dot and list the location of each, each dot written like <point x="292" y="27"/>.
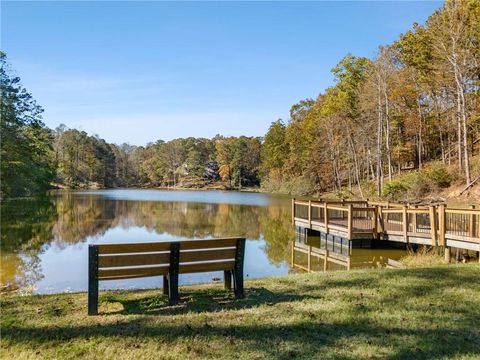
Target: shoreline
<point x="446" y="195"/>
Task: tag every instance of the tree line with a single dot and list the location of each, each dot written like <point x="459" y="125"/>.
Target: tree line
<point x="34" y="158"/>
<point x="415" y="102"/>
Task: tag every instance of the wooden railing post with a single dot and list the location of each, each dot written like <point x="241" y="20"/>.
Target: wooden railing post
<point x="471" y="232"/>
<point x="405" y="223"/>
<point x="293" y="211"/>
<point x="376" y="219"/>
<point x="325" y="211"/>
<point x="414" y="220"/>
<point x="350" y="221"/>
<point x="441" y="225"/>
<point x="310" y="214"/>
<point x="433" y="224"/>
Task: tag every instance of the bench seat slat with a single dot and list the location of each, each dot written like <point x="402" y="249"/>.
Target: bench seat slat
<point x="132" y="260"/>
<point x="207" y="244"/>
<point x="133" y="248"/>
<point x="165" y="246"/>
<point x="204" y="267"/>
<point x="204" y="255"/>
<point x="133" y="272"/>
<point x="125" y="277"/>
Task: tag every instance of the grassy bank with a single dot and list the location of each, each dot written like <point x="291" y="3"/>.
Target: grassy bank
<point x="385" y="314"/>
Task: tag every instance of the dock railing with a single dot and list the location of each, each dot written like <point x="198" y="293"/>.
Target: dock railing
<point x="432" y="225"/>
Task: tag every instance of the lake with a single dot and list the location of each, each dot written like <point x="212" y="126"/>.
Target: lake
<point x="45" y="242"/>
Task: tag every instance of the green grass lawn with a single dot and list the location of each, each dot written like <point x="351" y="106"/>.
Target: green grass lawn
<point x="423" y="313"/>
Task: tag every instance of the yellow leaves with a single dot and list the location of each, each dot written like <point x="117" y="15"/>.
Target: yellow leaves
<point x="224" y="172"/>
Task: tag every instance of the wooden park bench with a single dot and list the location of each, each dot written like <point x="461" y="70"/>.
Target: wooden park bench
<point x="167" y="258"/>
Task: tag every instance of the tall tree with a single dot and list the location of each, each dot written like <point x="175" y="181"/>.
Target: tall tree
<point x="26" y="144"/>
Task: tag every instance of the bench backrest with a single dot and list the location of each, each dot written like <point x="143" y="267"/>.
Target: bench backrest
<point x="126" y="261"/>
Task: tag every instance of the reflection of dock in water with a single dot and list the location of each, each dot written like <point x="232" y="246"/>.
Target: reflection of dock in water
<point x="315" y="252"/>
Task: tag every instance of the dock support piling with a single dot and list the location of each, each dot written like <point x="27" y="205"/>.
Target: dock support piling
<point x="447" y="254"/>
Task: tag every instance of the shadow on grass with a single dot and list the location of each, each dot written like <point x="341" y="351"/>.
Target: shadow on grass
<point x="305" y="339"/>
<point x="205" y="300"/>
<point x="305" y="334"/>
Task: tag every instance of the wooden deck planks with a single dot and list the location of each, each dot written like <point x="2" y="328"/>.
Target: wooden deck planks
<point x="440" y="225"/>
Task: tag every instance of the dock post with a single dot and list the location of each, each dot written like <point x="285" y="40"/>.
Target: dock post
<point x="441" y="225"/>
<point x="325" y="215"/>
<point x="309" y="262"/>
<point x="310" y="214"/>
<point x="325" y="262"/>
<point x="292" y="259"/>
<point x="471" y="231"/>
<point x="447" y="254"/>
<point x="405" y="223"/>
<point x="433" y="225"/>
<point x="293" y="211"/>
<point x="350" y="221"/>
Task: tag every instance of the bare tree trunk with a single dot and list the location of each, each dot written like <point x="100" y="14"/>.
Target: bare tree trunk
<point x="459" y="135"/>
<point x="387" y="132"/>
<point x="379" y="146"/>
<point x="462" y="116"/>
<point x="355" y="161"/>
<point x="420" y="136"/>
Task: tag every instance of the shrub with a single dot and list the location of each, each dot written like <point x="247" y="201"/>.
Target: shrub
<point x="344" y="194"/>
<point x="418" y="185"/>
<point x="369" y="189"/>
<point x="439" y="174"/>
<point x="299" y="186"/>
<point x="412" y="185"/>
<point x="394" y="190"/>
<point x="423" y="257"/>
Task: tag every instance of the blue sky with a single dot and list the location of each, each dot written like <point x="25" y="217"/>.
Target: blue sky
<point x="140" y="71"/>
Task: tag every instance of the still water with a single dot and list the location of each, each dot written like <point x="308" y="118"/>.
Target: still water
<point x="44" y="243"/>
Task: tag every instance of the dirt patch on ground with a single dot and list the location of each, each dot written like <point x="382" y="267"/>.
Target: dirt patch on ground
<point x="452" y="194"/>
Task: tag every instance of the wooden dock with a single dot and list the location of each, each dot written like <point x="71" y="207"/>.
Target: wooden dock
<point x="428" y="225"/>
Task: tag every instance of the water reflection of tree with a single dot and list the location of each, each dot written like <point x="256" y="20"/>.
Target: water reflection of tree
<point x="26" y="225"/>
<point x="82" y="216"/>
<point x="278" y="233"/>
<point x="72" y="218"/>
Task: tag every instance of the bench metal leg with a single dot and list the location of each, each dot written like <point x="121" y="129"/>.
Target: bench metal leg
<point x="238" y="269"/>
<point x="92" y="280"/>
<point x="165" y="285"/>
<point x="173" y="273"/>
<point x="172" y="289"/>
<point x="238" y="283"/>
<point x="227" y="278"/>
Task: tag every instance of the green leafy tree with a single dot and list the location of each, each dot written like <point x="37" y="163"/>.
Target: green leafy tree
<point x="27" y="166"/>
<point x="274" y="149"/>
